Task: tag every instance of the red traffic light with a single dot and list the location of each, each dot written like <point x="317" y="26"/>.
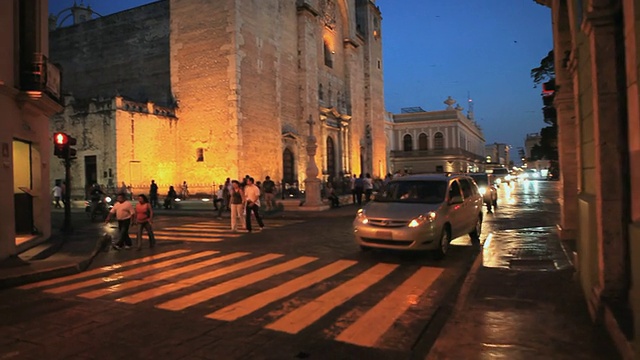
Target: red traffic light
<point x="60" y="138"/>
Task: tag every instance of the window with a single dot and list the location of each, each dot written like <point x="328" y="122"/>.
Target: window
<point x="466" y="188"/>
<point x="421" y="192"/>
<point x="423" y="142"/>
<point x="320" y="93"/>
<point x="408" y="143"/>
<point x="288" y="167"/>
<point x="379" y="64"/>
<point x="328" y="55"/>
<point x="439" y="169"/>
<point x="438" y="141"/>
<point x="454" y="190"/>
<point x="199" y="154"/>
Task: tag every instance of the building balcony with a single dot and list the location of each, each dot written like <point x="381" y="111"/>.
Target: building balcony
<point x="397" y="154"/>
<point x="38" y="74"/>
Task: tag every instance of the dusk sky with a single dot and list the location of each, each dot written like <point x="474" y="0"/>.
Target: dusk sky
<point x="437" y="48"/>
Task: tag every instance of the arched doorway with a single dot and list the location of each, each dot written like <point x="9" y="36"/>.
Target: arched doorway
<point x="288" y="166"/>
<point x="331" y="158"/>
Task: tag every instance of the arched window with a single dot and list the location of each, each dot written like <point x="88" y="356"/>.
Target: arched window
<point x="438" y="141"/>
<point x="423" y="142"/>
<point x="328" y="56"/>
<point x="331" y="158"/>
<point x="288" y="172"/>
<point x="408" y="143"/>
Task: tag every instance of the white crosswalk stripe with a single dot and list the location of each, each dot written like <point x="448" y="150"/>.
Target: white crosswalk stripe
<point x="312" y="290"/>
<point x="205" y="231"/>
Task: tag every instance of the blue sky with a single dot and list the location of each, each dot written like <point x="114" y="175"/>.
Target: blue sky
<point x="436" y="48"/>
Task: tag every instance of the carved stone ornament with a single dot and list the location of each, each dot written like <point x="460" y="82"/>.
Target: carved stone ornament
<point x="329" y="13"/>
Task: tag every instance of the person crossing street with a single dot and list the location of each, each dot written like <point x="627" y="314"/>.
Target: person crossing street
<point x="252" y="201"/>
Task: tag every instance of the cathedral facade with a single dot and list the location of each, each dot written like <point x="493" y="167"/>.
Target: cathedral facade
<point x="243" y="81"/>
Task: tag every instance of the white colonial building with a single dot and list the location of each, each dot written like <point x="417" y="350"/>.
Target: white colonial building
<point x="435" y="141"/>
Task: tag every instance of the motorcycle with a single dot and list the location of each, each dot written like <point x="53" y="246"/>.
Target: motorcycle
<point x="99" y="208"/>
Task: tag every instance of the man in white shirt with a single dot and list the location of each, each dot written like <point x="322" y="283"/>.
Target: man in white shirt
<point x="124" y="212"/>
<point x="252" y="198"/>
<point x="57" y="195"/>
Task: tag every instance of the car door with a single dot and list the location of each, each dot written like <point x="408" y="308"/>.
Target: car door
<point x="456" y="212"/>
<point x="469" y="207"/>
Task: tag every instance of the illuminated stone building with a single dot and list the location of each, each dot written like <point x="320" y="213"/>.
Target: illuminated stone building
<point x="241" y="79"/>
<point x="29" y="91"/>
<point x="597" y="49"/>
<point x="447" y="140"/>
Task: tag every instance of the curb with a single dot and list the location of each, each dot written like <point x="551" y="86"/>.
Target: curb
<point x="60" y="271"/>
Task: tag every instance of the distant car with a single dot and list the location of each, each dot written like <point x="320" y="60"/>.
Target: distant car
<point x="420" y="212"/>
<point x="487" y="189"/>
<point x="500" y="175"/>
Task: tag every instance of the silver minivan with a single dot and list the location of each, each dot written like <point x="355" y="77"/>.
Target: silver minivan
<point x="420" y="212"/>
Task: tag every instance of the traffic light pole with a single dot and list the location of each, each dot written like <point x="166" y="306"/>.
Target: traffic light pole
<point x="66" y="227"/>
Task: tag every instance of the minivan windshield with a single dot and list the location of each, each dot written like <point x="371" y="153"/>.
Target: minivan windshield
<point x="414" y="191"/>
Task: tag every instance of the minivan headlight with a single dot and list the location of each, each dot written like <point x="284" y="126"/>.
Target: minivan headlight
<point x="429" y="217"/>
<point x="360" y="216"/>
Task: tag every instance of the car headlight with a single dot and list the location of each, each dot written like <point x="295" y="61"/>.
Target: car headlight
<point x="107" y="199"/>
<point x="429" y="217"/>
<point x="498" y="181"/>
<point x="482" y="190"/>
<point x="360" y="216"/>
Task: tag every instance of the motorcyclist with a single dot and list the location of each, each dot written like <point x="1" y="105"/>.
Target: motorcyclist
<point x="95" y="194"/>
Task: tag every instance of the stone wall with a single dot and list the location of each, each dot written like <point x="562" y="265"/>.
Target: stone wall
<point x="204" y="77"/>
<point x="126" y="53"/>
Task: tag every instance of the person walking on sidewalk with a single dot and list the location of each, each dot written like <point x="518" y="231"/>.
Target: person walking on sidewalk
<point x="153" y="194"/>
<point x="368" y="187"/>
<point x="57" y="195"/>
<point x="123" y="211"/>
<point x="252" y="199"/>
<point x="236" y="201"/>
<point x="143" y="218"/>
<point x="352" y="185"/>
<point x="269" y="188"/>
<point x="359" y="189"/>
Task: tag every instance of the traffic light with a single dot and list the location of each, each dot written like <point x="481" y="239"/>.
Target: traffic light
<point x="62" y="145"/>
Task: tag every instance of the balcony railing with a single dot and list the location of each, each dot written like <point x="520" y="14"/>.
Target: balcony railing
<point x="39" y="74"/>
<point x="436" y="152"/>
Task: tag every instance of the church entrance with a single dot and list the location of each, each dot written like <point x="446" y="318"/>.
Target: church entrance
<point x="288" y="166"/>
<point x="331" y="159"/>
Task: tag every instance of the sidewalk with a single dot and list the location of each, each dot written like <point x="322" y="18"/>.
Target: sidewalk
<point x="520" y="301"/>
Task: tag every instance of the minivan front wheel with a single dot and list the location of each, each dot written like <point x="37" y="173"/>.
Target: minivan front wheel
<point x="443" y="245"/>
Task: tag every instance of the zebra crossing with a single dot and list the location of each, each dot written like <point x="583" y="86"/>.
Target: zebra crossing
<point x="206" y="231"/>
<point x="183" y="279"/>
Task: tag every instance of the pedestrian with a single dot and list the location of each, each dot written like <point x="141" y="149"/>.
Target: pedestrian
<point x="358" y="187"/>
<point x="228" y="187"/>
<point x="332" y="196"/>
<point x="368" y="187"/>
<point x="184" y="191"/>
<point x="170" y="200"/>
<point x="352" y="185"/>
<point x="64" y="192"/>
<point x="123" y="211"/>
<point x="153" y="194"/>
<point x="143" y="218"/>
<point x="252" y="200"/>
<point x="269" y="187"/>
<point x="218" y="198"/>
<point x="237" y="201"/>
<point x="57" y="195"/>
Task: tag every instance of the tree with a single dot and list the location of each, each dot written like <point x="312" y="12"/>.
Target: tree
<point x="548" y="147"/>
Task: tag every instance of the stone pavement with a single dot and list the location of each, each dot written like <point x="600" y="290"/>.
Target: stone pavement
<point x="520" y="301"/>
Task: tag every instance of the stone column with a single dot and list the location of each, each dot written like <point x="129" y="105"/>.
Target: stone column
<point x="313" y="198"/>
<point x="567" y="124"/>
<point x="603" y="28"/>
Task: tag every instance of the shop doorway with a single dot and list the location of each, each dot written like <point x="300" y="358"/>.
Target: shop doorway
<point x="90" y="171"/>
<point x="22" y="187"/>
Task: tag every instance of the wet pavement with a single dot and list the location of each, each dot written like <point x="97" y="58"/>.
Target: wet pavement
<point x="520" y="299"/>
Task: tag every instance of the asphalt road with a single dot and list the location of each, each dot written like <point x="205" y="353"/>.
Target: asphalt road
<point x="299" y="289"/>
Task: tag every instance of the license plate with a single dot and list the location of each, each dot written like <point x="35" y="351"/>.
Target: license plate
<point x="383" y="234"/>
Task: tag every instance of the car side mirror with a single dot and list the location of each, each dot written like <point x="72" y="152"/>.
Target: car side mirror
<point x="455" y="200"/>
